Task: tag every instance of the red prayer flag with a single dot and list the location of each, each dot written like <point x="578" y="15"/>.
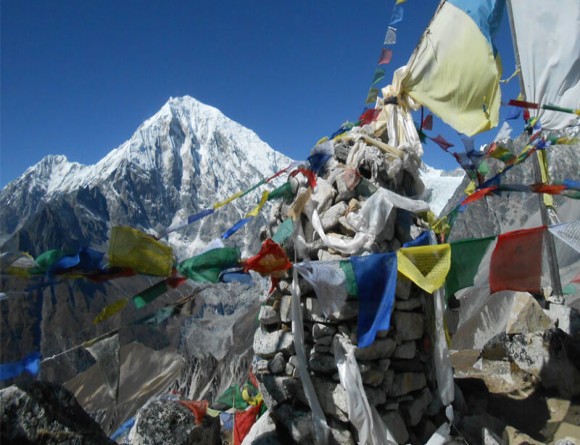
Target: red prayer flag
<point x="386" y="55"/>
<point x="549" y="189"/>
<point x="524" y="104"/>
<point x="440" y="140"/>
<point x="243" y="421"/>
<point x="197" y="407"/>
<point x="271" y="260"/>
<point x="478" y="194"/>
<point x="427" y="123"/>
<point x="309" y="174"/>
<point x="516" y="262"/>
<point x="369" y="116"/>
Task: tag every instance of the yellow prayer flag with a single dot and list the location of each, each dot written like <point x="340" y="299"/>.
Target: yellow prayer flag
<point x="470" y="188"/>
<point x="217" y="205"/>
<point x="543" y="161"/>
<point x="257" y="209"/>
<point x="141" y="252"/>
<point x="110" y="310"/>
<point x="400" y="1"/>
<point x="426" y="266"/>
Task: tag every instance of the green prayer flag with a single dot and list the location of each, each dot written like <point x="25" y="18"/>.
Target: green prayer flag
<point x="351" y="286"/>
<point x="148" y="295"/>
<point x="372" y="96"/>
<point x="284" y="231"/>
<point x="45" y="260"/>
<point x="206" y="268"/>
<point x="466" y="256"/>
<point x="232" y="398"/>
<point x="284" y="191"/>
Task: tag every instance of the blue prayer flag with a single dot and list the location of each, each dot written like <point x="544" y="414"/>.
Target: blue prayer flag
<point x="376" y="278"/>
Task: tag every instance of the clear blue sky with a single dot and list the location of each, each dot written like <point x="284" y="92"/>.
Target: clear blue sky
<point x="79" y="76"/>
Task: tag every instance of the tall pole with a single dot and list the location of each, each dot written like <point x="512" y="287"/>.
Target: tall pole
<point x="550" y="246"/>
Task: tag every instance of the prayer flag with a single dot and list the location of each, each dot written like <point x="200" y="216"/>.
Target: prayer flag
<point x="153" y="292"/>
<point x="369" y="116"/>
<point x="350" y="279"/>
<point x="143" y="253"/>
<point x="328" y="281"/>
<point x="427" y="123"/>
<point x="391" y="36"/>
<point x="237" y="226"/>
<point x="110" y="310"/>
<point x="243" y="422"/>
<point x="376" y="279"/>
<point x="455" y="73"/>
<point x="271" y="260"/>
<point x="516" y="262"/>
<point x="386" y="55"/>
<point x="206" y="268"/>
<point x="379" y="75"/>
<point x="372" y="96"/>
<point x="442" y="142"/>
<point x="466" y="256"/>
<point x="45" y="261"/>
<point x="197" y="407"/>
<point x="30" y="364"/>
<point x="549" y="65"/>
<point x="426" y="266"/>
<point x="568" y="233"/>
<point x="232" y="398"/>
<point x="284" y="192"/>
<point x="397" y="15"/>
<point x="106" y="353"/>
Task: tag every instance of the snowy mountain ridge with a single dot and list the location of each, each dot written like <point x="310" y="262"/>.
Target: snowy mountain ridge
<point x="440" y="185"/>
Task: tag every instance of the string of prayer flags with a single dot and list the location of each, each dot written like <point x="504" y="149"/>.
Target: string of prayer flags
<point x="516" y="262"/>
<point x="283" y="192"/>
<point x="206" y="267"/>
<point x="29" y="364"/>
<point x="150" y="294"/>
<point x="568" y="233"/>
<point x="372" y="96"/>
<point x="426" y="266"/>
<point x="45" y="260"/>
<point x="143" y="253"/>
<point x="328" y="281"/>
<point x="308" y="174"/>
<point x="106" y="352"/>
<point x="397" y="15"/>
<point x="466" y="256"/>
<point x="243" y="422"/>
<point x="320" y="155"/>
<point x="197" y="407"/>
<point x="391" y="36"/>
<point x="535" y="106"/>
<point x="252" y="214"/>
<point x="369" y="116"/>
<point x="379" y="75"/>
<point x="376" y="279"/>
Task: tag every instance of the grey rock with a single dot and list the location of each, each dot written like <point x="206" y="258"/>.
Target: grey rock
<point x="332" y="397"/>
<point x="322" y="330"/>
<point x="373" y="376"/>
<point x="406" y="382"/>
<point x="268" y="315"/>
<point x="324" y="255"/>
<point x="286" y="309"/>
<point x="322" y="363"/>
<point x="405" y="350"/>
<point x="43" y="412"/>
<point x="329" y="218"/>
<point x="323" y="195"/>
<point x="413" y="411"/>
<point x="526" y="316"/>
<point x="344" y="194"/>
<point x="278" y="389"/>
<point x="267" y="344"/>
<point x="408" y="305"/>
<point x="170" y="422"/>
<point x="289" y="370"/>
<point x="380" y="349"/>
<point x="409" y="325"/>
<point x="345" y="227"/>
<point x="403" y="289"/>
<point x="348" y="311"/>
<point x="277" y="365"/>
<point x="396" y="426"/>
<point x="324" y="341"/>
<point x="263" y="432"/>
<point x="322" y="348"/>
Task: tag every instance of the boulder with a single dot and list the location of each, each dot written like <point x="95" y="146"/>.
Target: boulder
<point x="43" y="412"/>
<point x="170" y="422"/>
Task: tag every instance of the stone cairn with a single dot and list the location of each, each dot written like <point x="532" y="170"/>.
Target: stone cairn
<point x="397" y="369"/>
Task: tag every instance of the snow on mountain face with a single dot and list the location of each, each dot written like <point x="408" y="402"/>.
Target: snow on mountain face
<point x="179" y="161"/>
<point x="440" y="186"/>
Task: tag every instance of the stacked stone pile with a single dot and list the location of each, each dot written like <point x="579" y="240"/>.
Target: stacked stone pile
<point x="397" y="369"/>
